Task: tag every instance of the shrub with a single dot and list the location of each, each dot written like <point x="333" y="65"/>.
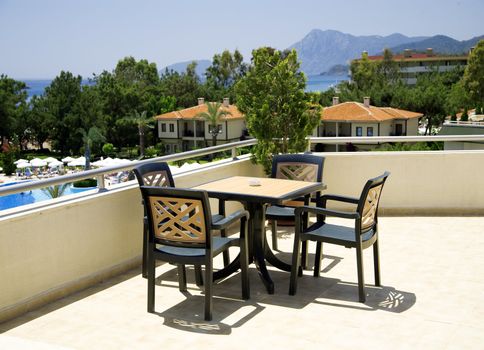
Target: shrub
<point x="85" y="183"/>
<point x="108" y="149"/>
<point x="8" y="159"/>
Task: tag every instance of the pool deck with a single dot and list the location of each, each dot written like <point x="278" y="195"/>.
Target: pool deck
<point x="431" y="298"/>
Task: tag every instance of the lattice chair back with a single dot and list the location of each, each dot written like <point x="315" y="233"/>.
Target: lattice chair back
<point x="154" y="174"/>
<point x="178" y="217"/>
<point x="302" y="167"/>
<point x="369" y="201"/>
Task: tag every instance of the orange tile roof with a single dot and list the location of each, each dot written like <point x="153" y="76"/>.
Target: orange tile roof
<point x="355" y="111"/>
<point x="192" y="112"/>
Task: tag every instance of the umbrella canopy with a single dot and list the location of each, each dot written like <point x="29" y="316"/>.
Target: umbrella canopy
<point x="21" y="161"/>
<point x="23" y="165"/>
<point x="81" y="161"/>
<point x="68" y="159"/>
<point x="36" y="162"/>
<point x="55" y="164"/>
<point x="50" y="160"/>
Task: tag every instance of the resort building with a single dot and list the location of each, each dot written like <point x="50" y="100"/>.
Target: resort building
<point x="363" y="119"/>
<point x="412" y="64"/>
<point x="183" y="130"/>
<point x="473" y="126"/>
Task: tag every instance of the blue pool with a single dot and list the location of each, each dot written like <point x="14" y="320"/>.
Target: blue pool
<point x="34" y="196"/>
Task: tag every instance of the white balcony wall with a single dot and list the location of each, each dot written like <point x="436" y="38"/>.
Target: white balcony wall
<point x="56" y="249"/>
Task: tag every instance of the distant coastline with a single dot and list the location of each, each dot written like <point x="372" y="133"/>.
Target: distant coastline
<point x="314" y="83"/>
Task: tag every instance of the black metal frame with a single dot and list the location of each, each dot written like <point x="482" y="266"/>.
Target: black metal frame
<point x="196" y="254"/>
<point x="363" y="238"/>
<point x="273" y="214"/>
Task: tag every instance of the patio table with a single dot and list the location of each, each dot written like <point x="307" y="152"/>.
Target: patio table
<point x="255" y="194"/>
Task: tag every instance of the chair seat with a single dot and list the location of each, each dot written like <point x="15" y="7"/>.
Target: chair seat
<point x="336" y="233"/>
<point x="219" y="244"/>
<point x="276" y="212"/>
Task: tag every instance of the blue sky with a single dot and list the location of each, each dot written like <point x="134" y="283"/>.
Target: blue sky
<point x="40" y="38"/>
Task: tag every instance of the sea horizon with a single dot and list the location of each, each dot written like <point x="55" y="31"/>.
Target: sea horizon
<point x="314" y="83"/>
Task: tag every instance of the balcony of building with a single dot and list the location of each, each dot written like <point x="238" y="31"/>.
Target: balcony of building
<point x="70" y="269"/>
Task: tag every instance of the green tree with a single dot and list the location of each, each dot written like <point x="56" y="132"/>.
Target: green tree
<point x="184" y="87"/>
<point x="89" y="138"/>
<point x="13" y="98"/>
<point x="142" y="122"/>
<point x="61" y="96"/>
<point x="213" y="116"/>
<point x="473" y="80"/>
<point x="277" y="111"/>
<point x="55" y="191"/>
<point x="40" y="120"/>
<point x="224" y="72"/>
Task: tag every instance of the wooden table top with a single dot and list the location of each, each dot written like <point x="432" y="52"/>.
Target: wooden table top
<point x="270" y="190"/>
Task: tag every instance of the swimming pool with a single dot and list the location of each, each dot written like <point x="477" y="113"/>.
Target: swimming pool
<point x="29" y="197"/>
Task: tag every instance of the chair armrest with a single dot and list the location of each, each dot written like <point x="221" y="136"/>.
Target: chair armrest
<point x="328" y="212"/>
<point x="334" y="197"/>
<point x="230" y="219"/>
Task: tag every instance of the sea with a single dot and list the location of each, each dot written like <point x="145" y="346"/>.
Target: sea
<point x="314" y="83"/>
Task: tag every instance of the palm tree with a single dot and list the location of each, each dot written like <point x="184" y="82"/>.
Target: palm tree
<point x="142" y="122"/>
<point x="56" y="190"/>
<point x="213" y="116"/>
<point x="93" y="135"/>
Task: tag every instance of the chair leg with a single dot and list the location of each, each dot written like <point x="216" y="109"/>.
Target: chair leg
<point x="198" y="275"/>
<point x="376" y="263"/>
<point x="274" y="235"/>
<point x="317" y="259"/>
<point x="304" y="258"/>
<point x="151" y="283"/>
<point x="295" y="266"/>
<point x="244" y="261"/>
<point x="225" y="254"/>
<point x="361" y="276"/>
<point x="223" y="233"/>
<point x="144" y="266"/>
<point x="182" y="278"/>
<point x="208" y="289"/>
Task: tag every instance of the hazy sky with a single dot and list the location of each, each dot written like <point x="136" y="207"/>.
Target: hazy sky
<point x="39" y="38"/>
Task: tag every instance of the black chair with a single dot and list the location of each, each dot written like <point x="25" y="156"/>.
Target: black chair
<point x="362" y="235"/>
<point x="159" y="175"/>
<point x="302" y="167"/>
<point x="180" y="232"/>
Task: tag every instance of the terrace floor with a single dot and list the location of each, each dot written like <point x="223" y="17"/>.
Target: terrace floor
<point x="432" y="298"/>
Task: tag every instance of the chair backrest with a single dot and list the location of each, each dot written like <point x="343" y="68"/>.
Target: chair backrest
<point x="154" y="174"/>
<point x="303" y="167"/>
<point x="178" y="217"/>
<point x="369" y="201"/>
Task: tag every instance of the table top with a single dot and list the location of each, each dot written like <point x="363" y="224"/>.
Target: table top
<point x="270" y="190"/>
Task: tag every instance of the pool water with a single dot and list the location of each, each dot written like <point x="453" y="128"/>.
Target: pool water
<point x="29" y="197"/>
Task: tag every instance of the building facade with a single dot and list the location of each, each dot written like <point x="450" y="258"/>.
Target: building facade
<point x="183" y="130"/>
<point x="411" y="64"/>
<point x="362" y="119"/>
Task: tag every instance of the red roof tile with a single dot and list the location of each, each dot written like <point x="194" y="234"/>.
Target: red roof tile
<point x="355" y="111"/>
<point x="192" y="112"/>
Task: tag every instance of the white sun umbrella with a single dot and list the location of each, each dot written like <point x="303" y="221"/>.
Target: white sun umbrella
<point x="36" y="162"/>
<point x="21" y="161"/>
<point x="55" y="164"/>
<point x="23" y="165"/>
<point x="103" y="162"/>
<point x="81" y="161"/>
<point x="50" y="160"/>
<point x="68" y="159"/>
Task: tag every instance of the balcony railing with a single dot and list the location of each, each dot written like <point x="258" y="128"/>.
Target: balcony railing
<point x="101" y="172"/>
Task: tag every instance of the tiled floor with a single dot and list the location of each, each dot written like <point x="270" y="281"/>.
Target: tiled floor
<point x="432" y="272"/>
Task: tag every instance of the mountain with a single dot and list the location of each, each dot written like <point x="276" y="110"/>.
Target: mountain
<point x="320" y="50"/>
<point x="181" y="67"/>
<point x="441" y="44"/>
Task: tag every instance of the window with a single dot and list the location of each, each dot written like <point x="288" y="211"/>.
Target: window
<point x="163" y="127"/>
<point x="369" y="131"/>
<point x="175" y="148"/>
<point x="172" y="127"/>
<point x="168" y="148"/>
<point x="359" y="131"/>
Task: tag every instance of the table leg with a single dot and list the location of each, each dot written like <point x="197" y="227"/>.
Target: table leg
<point x="257" y="223"/>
